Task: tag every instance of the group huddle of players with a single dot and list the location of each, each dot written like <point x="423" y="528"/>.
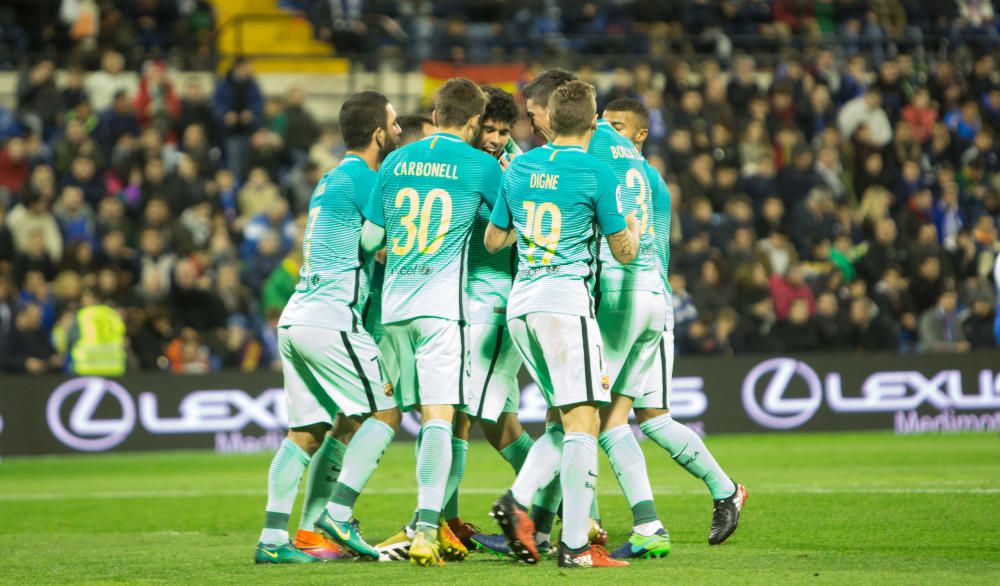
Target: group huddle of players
<point x="437" y="260"/>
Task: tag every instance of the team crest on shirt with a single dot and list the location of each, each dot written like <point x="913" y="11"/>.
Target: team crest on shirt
<point x="604" y="382"/>
<point x="618" y="198"/>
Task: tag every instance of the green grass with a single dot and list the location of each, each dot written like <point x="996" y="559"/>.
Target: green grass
<point x="832" y="508"/>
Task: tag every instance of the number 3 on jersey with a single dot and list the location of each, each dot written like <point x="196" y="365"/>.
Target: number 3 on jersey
<point x="632" y="178"/>
<point x="411" y="198"/>
<point x="534" y="229"/>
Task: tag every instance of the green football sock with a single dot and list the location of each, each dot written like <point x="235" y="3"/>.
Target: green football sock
<point x="629" y="466"/>
<point x="433" y="465"/>
<point x="282" y="483"/>
<point x="688" y="450"/>
<point x="547" y="499"/>
<point x="362" y="457"/>
<point x="320" y="480"/>
<point x="459" y="451"/>
<point x="540" y="468"/>
<point x="517" y="451"/>
<point x="578" y="472"/>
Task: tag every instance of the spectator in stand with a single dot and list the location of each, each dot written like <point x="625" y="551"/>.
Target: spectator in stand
<point x="275" y="218"/>
<point x="303" y="130"/>
<point x="259" y="266"/>
<point x="978" y="322"/>
<point x="964" y="122"/>
<point x="195" y="108"/>
<point x="869" y="329"/>
<point x="75" y="216"/>
<point x="921" y="115"/>
<point x="685" y="312"/>
<point x="83" y="175"/>
<point x="115" y="122"/>
<point x="111" y="80"/>
<point x="156" y="102"/>
<point x="711" y="292"/>
<point x="866" y="110"/>
<point x="38" y="101"/>
<point x="192" y="302"/>
<point x="239" y="107"/>
<point x="798" y="333"/>
<point x="940" y="327"/>
<point x="26" y="347"/>
<point x="785" y="289"/>
<point x="257" y="195"/>
<point x="33" y="216"/>
<point x="14" y="169"/>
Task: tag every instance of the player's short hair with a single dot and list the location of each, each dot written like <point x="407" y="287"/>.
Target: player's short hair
<point x="500" y="106"/>
<point x="412" y="127"/>
<point x="360" y="116"/>
<point x="572" y="108"/>
<point x="632" y="106"/>
<point x="541" y="88"/>
<point x="458" y="100"/>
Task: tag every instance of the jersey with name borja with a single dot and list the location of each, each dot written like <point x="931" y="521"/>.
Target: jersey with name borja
<point x="643" y="273"/>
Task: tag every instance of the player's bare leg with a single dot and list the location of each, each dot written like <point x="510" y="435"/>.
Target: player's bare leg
<point x="688" y="450"/>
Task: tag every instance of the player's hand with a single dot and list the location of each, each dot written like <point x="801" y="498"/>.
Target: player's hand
<point x="388" y="389"/>
<point x="633" y="224"/>
<point x="380" y="255"/>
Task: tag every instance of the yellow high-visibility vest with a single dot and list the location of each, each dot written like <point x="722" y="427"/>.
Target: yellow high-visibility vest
<point x="100" y="350"/>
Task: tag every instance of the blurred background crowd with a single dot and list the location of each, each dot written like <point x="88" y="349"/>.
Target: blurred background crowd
<point x="832" y="164"/>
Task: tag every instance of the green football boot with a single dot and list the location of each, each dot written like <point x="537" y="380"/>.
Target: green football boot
<point x="656" y="545"/>
<point x="281" y="554"/>
<point x="347" y="535"/>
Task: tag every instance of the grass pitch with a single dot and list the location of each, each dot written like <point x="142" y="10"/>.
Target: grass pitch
<point x="835" y="508"/>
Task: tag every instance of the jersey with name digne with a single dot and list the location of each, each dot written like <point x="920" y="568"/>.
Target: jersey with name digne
<point x="333" y="280"/>
<point x="555" y="197"/>
<point x="620" y="154"/>
<point x="660" y="230"/>
<point x="426" y="196"/>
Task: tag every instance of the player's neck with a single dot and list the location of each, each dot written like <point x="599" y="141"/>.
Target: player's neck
<point x="461" y="132"/>
<point x="368" y="155"/>
<point x="577" y="140"/>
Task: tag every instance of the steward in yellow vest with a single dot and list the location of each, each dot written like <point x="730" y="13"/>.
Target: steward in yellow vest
<point x="99" y="347"/>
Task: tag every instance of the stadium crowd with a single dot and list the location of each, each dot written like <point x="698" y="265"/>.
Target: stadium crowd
<point x="842" y="199"/>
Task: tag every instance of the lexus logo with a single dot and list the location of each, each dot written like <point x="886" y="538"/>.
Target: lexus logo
<point x="775" y="410"/>
<point x="83" y="431"/>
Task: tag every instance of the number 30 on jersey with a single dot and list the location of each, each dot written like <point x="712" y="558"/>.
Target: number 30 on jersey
<point x="419" y="232"/>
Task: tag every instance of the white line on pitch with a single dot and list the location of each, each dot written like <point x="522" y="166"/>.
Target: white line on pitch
<point x="776" y="490"/>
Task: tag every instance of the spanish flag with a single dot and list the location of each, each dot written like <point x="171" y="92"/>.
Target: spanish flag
<point x="504" y="76"/>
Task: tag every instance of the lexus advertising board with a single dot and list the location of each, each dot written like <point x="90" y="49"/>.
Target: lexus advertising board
<point x="236" y="412"/>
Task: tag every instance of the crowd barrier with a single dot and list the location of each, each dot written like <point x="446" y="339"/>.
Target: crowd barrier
<point x="237" y="412"/>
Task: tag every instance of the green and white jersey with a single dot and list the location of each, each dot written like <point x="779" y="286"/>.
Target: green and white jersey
<point x="333" y="280"/>
<point x="490" y="275"/>
<point x="629" y="167"/>
<point x="660" y="230"/>
<point x="555" y="197"/>
<point x="426" y="196"/>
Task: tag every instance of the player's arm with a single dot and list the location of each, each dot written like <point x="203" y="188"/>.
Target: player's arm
<point x="372" y="237"/>
<point x="373" y="230"/>
<point x="622" y="232"/>
<point x="500" y="232"/>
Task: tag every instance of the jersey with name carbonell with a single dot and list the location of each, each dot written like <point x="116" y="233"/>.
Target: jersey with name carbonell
<point x="333" y="280"/>
<point x="555" y="197"/>
<point x="426" y="196"/>
<point x="643" y="273"/>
